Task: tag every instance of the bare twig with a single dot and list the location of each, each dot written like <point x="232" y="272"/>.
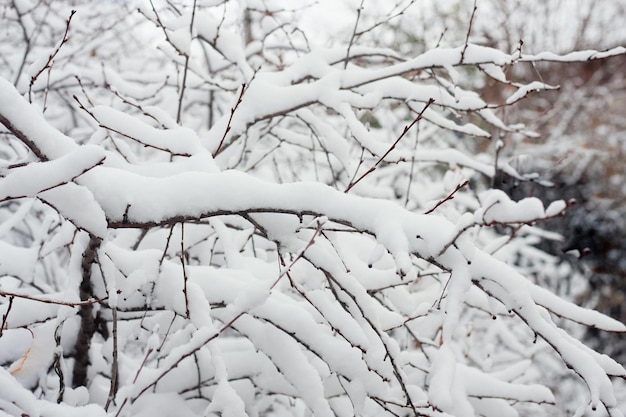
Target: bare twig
<point x="286" y="270"/>
<point x="5" y="316"/>
<point x="392" y="14"/>
<point x="449" y="197"/>
<point x="51" y="57"/>
<point x="186" y="355"/>
<point x="380" y="160"/>
<point x="27" y="39"/>
<point x="412" y="168"/>
<point x="143" y="364"/>
<point x="114" y="366"/>
<point x="469" y="29"/>
<point x="182" y="262"/>
<point x="186" y="67"/>
<point x="230" y="119"/>
<point x="12" y="295"/>
<point x="354" y="34"/>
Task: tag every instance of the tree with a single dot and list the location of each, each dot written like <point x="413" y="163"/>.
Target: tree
<point x="247" y="224"/>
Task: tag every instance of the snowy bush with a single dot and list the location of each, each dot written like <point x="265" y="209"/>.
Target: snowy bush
<point x="205" y="212"/>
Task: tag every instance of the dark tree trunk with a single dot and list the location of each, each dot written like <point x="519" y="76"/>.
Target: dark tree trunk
<point x="87" y="326"/>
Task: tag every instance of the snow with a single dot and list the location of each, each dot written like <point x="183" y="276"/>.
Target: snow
<point x="34" y="178"/>
<point x="177" y="141"/>
<point x="575" y="56"/>
<point x="36" y="359"/>
<point x="251" y="291"/>
<point x="291" y="362"/>
<point x="27" y="119"/>
<point x="441" y="378"/>
<point x="227" y="43"/>
<point x="524" y="90"/>
<point x="573" y="312"/>
<point x="180" y="39"/>
<point x="77" y="204"/>
<point x="497" y="207"/>
<point x="13" y="344"/>
<point x="18" y="261"/>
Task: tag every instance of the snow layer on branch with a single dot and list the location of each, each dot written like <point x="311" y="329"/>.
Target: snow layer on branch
<point x="177" y="141"/>
<point x="232" y="192"/>
<point x="27" y="119"/>
<point x="451" y="383"/>
<point x="563" y="308"/>
<point x="524" y="90"/>
<point x="226" y="42"/>
<point x="313" y="78"/>
<point x="31" y="179"/>
<point x="18" y="261"/>
<point x="291" y="361"/>
<point x="577" y="56"/>
<point x="76" y="204"/>
<point x="513" y="290"/>
<point x="497" y="207"/>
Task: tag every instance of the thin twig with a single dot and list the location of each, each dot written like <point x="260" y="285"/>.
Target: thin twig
<point x="186" y="67"/>
<point x="354" y="34"/>
<point x="12" y="295"/>
<point x="5" y="316"/>
<point x="114" y="365"/>
<point x="286" y="270"/>
<point x="469" y="29"/>
<point x="126" y="135"/>
<point x="449" y="197"/>
<point x="389" y="16"/>
<point x="187" y="354"/>
<point x="51" y="57"/>
<point x="393" y="146"/>
<point x="412" y="169"/>
<point x="27" y="39"/>
<point x="182" y="262"/>
<point x="143" y="364"/>
<point x="230" y="119"/>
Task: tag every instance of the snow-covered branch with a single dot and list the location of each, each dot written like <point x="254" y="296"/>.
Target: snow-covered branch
<point x="243" y="224"/>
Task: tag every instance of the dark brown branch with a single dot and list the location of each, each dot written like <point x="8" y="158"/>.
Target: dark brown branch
<point x="87" y="325"/>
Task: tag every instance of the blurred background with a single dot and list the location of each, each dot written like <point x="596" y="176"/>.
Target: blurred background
<point x="579" y="153"/>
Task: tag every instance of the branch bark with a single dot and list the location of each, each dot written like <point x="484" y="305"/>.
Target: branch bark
<point x="87" y="325"/>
